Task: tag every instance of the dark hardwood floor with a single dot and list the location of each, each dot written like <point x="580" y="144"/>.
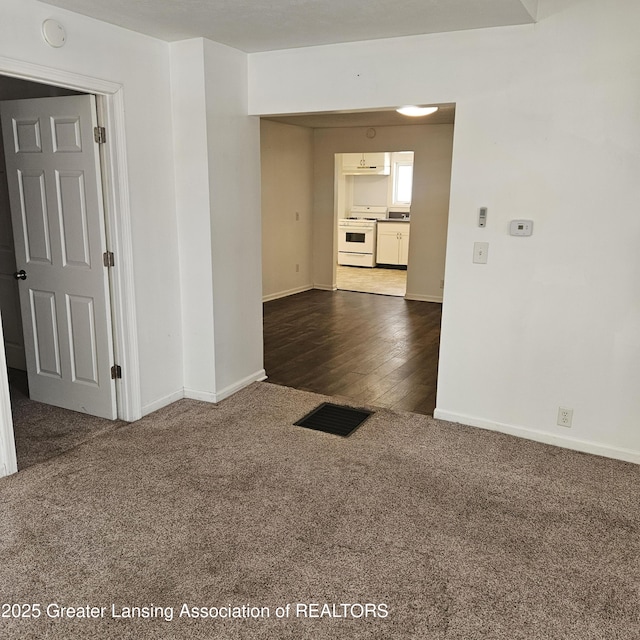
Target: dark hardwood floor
<point x="374" y="349"/>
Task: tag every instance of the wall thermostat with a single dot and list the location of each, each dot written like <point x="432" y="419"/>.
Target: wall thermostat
<point x="482" y="217"/>
<point x="521" y="227"/>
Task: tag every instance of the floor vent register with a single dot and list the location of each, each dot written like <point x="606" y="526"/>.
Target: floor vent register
<point x="335" y="419"/>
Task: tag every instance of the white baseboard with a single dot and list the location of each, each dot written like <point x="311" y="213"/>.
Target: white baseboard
<point x="584" y="446"/>
<point x="162" y="402"/>
<point x="205" y="396"/>
<point x="284" y="294"/>
<point x="210" y="396"/>
<point x="421" y="298"/>
<point x="258" y="376"/>
<point x="325" y="287"/>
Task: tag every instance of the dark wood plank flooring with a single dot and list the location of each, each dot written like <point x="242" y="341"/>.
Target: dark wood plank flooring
<point x="373" y="349"/>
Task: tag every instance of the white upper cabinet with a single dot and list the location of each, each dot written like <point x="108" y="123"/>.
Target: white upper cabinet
<point x="377" y="164"/>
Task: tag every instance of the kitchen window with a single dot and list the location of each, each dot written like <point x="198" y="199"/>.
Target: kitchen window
<point x="402" y="179"/>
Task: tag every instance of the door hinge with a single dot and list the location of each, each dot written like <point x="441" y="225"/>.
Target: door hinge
<point x="100" y="135"/>
<point x="116" y="372"/>
<point x="108" y="259"/>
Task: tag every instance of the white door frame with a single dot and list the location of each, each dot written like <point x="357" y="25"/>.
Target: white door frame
<point x="110" y="103"/>
<point x="8" y="462"/>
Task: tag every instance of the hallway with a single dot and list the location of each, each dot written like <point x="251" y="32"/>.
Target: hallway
<point x="373" y="349"/>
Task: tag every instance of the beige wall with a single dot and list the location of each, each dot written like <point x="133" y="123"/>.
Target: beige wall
<point x="287" y="187"/>
<point x="432" y="145"/>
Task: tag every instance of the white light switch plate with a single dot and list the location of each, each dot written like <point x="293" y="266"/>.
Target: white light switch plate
<point x="480" y="252"/>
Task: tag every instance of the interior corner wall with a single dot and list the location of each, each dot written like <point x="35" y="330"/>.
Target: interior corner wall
<point x="233" y="141"/>
<point x="193" y="210"/>
<point x="141" y="65"/>
<point x="532" y="7"/>
<point x="286" y="161"/>
<point x="432" y="145"/>
<point x="546" y="129"/>
<point x="217" y="169"/>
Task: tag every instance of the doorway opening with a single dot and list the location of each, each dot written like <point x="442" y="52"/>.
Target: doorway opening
<point x="17" y="82"/>
<point x="376" y="349"/>
<point x="32" y="272"/>
<point x="373" y="212"/>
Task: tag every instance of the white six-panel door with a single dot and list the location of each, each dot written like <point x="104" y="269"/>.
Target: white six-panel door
<point x="53" y="173"/>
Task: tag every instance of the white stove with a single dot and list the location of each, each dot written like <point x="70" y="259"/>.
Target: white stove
<point x="357" y="236"/>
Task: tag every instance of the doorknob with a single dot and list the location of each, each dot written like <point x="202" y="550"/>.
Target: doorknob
<point x="20" y="275"/>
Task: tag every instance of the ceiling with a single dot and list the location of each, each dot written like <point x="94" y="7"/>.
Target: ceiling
<point x="266" y="25"/>
<point x="380" y="118"/>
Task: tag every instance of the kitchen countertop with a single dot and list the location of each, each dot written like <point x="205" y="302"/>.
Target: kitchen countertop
<point x="395" y="220"/>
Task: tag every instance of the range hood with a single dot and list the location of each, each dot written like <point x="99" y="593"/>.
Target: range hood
<point x="358" y="164"/>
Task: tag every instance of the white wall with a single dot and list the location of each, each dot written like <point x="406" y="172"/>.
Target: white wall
<point x="193" y="210"/>
<point x="141" y="65"/>
<point x="234" y="177"/>
<point x="372" y="191"/>
<point x="547" y="128"/>
<point x="286" y="160"/>
<point x="217" y="162"/>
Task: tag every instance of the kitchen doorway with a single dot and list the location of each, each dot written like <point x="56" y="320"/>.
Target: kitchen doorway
<point x="373" y="213"/>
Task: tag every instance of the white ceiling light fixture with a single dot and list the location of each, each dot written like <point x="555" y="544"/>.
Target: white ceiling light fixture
<point x="416" y="112"/>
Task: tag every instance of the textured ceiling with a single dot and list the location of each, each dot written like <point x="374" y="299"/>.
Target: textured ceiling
<point x="264" y="25"/>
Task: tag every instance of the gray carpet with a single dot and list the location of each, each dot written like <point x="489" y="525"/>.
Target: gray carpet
<point x="43" y="431"/>
<point x="463" y="534"/>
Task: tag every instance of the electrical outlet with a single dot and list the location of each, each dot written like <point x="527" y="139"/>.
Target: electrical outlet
<point x="442" y="284"/>
<point x="565" y="416"/>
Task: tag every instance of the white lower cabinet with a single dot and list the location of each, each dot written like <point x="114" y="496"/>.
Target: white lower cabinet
<point x="393" y="243"/>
